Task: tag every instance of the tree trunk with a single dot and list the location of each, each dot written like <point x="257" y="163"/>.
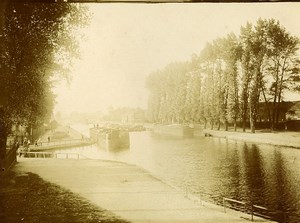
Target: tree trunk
<point x="277" y="112"/>
<point x="274" y="110"/>
<point x="280" y="91"/>
<point x="267" y="103"/>
<point x="253" y="112"/>
<point x="226" y="125"/>
<point x="274" y="107"/>
<point x="250" y="119"/>
<point x="244" y="123"/>
<point x="234" y="125"/>
<point x="252" y="124"/>
<point x="244" y="116"/>
<point x="3" y="139"/>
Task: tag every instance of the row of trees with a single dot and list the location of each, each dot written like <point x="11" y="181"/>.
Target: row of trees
<point x="38" y="43"/>
<point x="226" y="81"/>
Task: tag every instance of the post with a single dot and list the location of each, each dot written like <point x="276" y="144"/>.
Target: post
<point x="251" y="212"/>
<point x="224" y="204"/>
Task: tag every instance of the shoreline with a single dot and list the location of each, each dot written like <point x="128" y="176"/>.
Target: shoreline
<point x="281" y="138"/>
<point x="284" y="139"/>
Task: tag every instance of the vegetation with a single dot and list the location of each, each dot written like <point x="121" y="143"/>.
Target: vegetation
<point x="226" y="82"/>
<point x="38" y="43"/>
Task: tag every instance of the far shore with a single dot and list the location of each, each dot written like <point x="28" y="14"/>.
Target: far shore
<point x="263" y="136"/>
<point x="287" y="139"/>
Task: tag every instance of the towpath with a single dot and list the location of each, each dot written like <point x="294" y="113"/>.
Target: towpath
<point x="287" y="139"/>
<point x="127" y="191"/>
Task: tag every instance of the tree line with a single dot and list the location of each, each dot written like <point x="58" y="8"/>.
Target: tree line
<point x="225" y="83"/>
<point x="38" y="44"/>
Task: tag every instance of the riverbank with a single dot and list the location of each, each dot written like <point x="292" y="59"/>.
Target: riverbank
<point x="286" y="139"/>
<point x="123" y="190"/>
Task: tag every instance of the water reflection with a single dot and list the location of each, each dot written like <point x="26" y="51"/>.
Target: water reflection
<point x="254" y="174"/>
<point x="214" y="168"/>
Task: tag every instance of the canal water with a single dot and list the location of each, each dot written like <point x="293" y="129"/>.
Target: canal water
<point x="213" y="168"/>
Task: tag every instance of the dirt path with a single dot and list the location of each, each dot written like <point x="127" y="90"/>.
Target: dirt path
<point x="123" y="189"/>
<point x="26" y="197"/>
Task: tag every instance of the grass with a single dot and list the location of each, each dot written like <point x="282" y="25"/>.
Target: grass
<point x="28" y="198"/>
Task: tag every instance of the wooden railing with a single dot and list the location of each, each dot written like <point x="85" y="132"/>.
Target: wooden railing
<point x="244" y="207"/>
<point x="52" y="155"/>
<point x="256" y="210"/>
<point x="55" y="144"/>
<point x="60" y="142"/>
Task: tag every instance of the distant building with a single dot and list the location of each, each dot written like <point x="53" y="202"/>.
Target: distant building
<point x="293" y="112"/>
<point x="264" y="108"/>
<point x="137" y="116"/>
<point x="288" y="115"/>
<point x="293" y="117"/>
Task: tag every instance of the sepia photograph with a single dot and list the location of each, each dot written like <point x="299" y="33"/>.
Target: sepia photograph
<point x="154" y="111"/>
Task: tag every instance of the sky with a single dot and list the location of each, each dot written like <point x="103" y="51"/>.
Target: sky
<point x="125" y="42"/>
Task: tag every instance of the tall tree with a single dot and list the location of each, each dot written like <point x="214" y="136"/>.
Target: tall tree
<point x="39" y="41"/>
<point x="226" y="81"/>
<point x="232" y="57"/>
<point x="247" y="70"/>
<point x="208" y="67"/>
<point x="193" y="99"/>
<point x="153" y="84"/>
<point x="282" y="63"/>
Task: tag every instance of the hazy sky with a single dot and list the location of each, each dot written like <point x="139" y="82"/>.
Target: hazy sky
<point x="126" y="42"/>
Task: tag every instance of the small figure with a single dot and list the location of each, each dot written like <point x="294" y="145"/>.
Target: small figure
<point x="16" y="145"/>
<point x="48" y="139"/>
<point x="25" y="141"/>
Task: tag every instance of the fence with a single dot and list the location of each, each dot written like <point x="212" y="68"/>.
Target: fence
<point x="253" y="210"/>
<point x="41" y="146"/>
<point x="52" y="155"/>
<point x="61" y="142"/>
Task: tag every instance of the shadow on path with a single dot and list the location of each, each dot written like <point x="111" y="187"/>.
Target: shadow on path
<point x="28" y="198"/>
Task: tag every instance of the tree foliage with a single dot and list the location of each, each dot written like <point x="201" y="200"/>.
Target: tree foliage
<point x="226" y="82"/>
<point x="38" y="44"/>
